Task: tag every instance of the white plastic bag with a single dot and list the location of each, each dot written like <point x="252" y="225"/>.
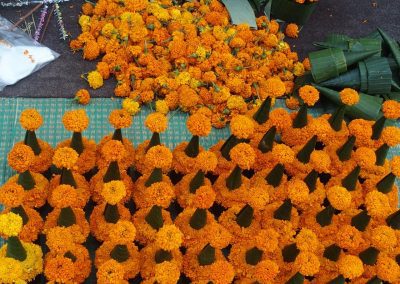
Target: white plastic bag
<point x="20" y="55"/>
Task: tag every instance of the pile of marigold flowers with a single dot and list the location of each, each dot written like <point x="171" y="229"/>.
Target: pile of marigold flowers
<point x="287" y="198"/>
<point x="185" y="57"/>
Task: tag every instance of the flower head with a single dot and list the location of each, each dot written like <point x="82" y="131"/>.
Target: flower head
<point x="377" y="204"/>
<point x="349" y="96"/>
<point x="307" y="263"/>
<point x="169" y="237"/>
<point x="10" y="270"/>
<point x="113" y="150"/>
<point x="162" y="106"/>
<point x="391" y="136"/>
<point x="95" y="79"/>
<point x="167" y="272"/>
<point x="10" y="224"/>
<point x="82" y="96"/>
<point x="391" y="109"/>
<point x="275" y="87"/>
<point x="30" y="119"/>
<point x="339" y="197"/>
<point x="204" y="197"/>
<point x="243" y="155"/>
<point x="123" y="232"/>
<point x="292" y="30"/>
<point x="20" y="157"/>
<point x="110" y="271"/>
<point x="159" y="157"/>
<point x="206" y="161"/>
<point x="298" y="191"/>
<point x="120" y="118"/>
<point x="199" y="124"/>
<point x="113" y="191"/>
<point x="282" y="153"/>
<point x="383" y="237"/>
<point x="307" y="240"/>
<point x="365" y="157"/>
<point x="266" y="271"/>
<point x="11" y="194"/>
<point x="156" y="122"/>
<point x="75" y="120"/>
<point x="242" y="126"/>
<point x="320" y="161"/>
<point x="59" y="269"/>
<point x="309" y="95"/>
<point x="350" y="266"/>
<point x="63" y="196"/>
<point x="65" y="157"/>
<point x="387" y="269"/>
<point x="59" y="239"/>
<point x="131" y="106"/>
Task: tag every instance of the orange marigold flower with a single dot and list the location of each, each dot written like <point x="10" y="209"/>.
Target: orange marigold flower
<point x="113" y="150"/>
<point x="113" y="191"/>
<point x="87" y="9"/>
<point x="169" y="237"/>
<point x="321" y="161"/>
<point x="298" y="191"/>
<point x="206" y="161"/>
<point x="348" y="237"/>
<point x="59" y="269"/>
<point x="395" y="166"/>
<point x="59" y="239"/>
<point x="349" y="96"/>
<point x="167" y="272"/>
<point x="307" y="263"/>
<point x="266" y="271"/>
<point x="377" y="204"/>
<point x="156" y="122"/>
<point x="387" y="269"/>
<point x="292" y="30"/>
<point x="103" y="69"/>
<point x="350" y="266"/>
<point x="63" y="196"/>
<point x="82" y="96"/>
<point x="91" y="50"/>
<point x="120" y="118"/>
<point x="292" y="103"/>
<point x="199" y="124"/>
<point x="391" y="109"/>
<point x="65" y="157"/>
<point x="309" y="95"/>
<point x="204" y="197"/>
<point x="242" y="126"/>
<point x="306" y="63"/>
<point x="159" y="156"/>
<point x="339" y="197"/>
<point x="282" y="154"/>
<point x="11" y="194"/>
<point x="30" y="119"/>
<point x="20" y="157"/>
<point x="243" y="155"/>
<point x="110" y="272"/>
<point x="307" y="240"/>
<point x="275" y="87"/>
<point x="365" y="157"/>
<point x="391" y="136"/>
<point x="383" y="237"/>
<point x="273" y="27"/>
<point x="123" y="232"/>
<point x="75" y="120"/>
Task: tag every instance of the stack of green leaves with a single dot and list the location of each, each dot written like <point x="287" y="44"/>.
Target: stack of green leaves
<point x="370" y="65"/>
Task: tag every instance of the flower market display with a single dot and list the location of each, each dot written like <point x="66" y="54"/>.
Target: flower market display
<point x="185" y="57"/>
<point x="286" y="198"/>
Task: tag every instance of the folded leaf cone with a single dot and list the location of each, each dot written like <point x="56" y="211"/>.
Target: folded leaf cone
<point x="31" y="141"/>
<point x="193" y="148"/>
<point x="262" y="114"/>
<point x="154" y="217"/>
<point x="267" y="141"/>
<point x="77" y="142"/>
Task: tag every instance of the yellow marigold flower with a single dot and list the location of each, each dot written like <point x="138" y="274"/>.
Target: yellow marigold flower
<point x="365" y="157"/>
<point x="113" y="150"/>
<point x="169" y="237"/>
<point x="82" y="96"/>
<point x="159" y="157"/>
<point x="282" y="154"/>
<point x="298" y="191"/>
<point x="391" y="109"/>
<point x="59" y="269"/>
<point x="298" y="69"/>
<point x="10" y="224"/>
<point x="113" y="191"/>
<point x="63" y="196"/>
<point x="350" y="266"/>
<point x="309" y="95"/>
<point x="275" y="87"/>
<point x="162" y="106"/>
<point x="10" y="270"/>
<point x="156" y="122"/>
<point x="266" y="271"/>
<point x="199" y="124"/>
<point x="123" y="232"/>
<point x="11" y="194"/>
<point x="167" y="272"/>
<point x="110" y="271"/>
<point x="65" y="157"/>
<point x="391" y="136"/>
<point x="84" y="22"/>
<point x="292" y="30"/>
<point x="242" y="126"/>
<point x="307" y="263"/>
<point x="183" y="78"/>
<point x="383" y="237"/>
<point x="243" y="155"/>
<point x="339" y="197"/>
<point x="320" y="161"/>
<point x="395" y="166"/>
<point x="30" y="119"/>
<point x="206" y="161"/>
<point x="349" y="96"/>
<point x="20" y="157"/>
<point x="377" y="204"/>
<point x="235" y="102"/>
<point x="307" y="240"/>
<point x="75" y="120"/>
<point x="108" y="29"/>
<point x="175" y="13"/>
<point x="120" y="118"/>
<point x="95" y="79"/>
<point x="387" y="269"/>
<point x="131" y="106"/>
